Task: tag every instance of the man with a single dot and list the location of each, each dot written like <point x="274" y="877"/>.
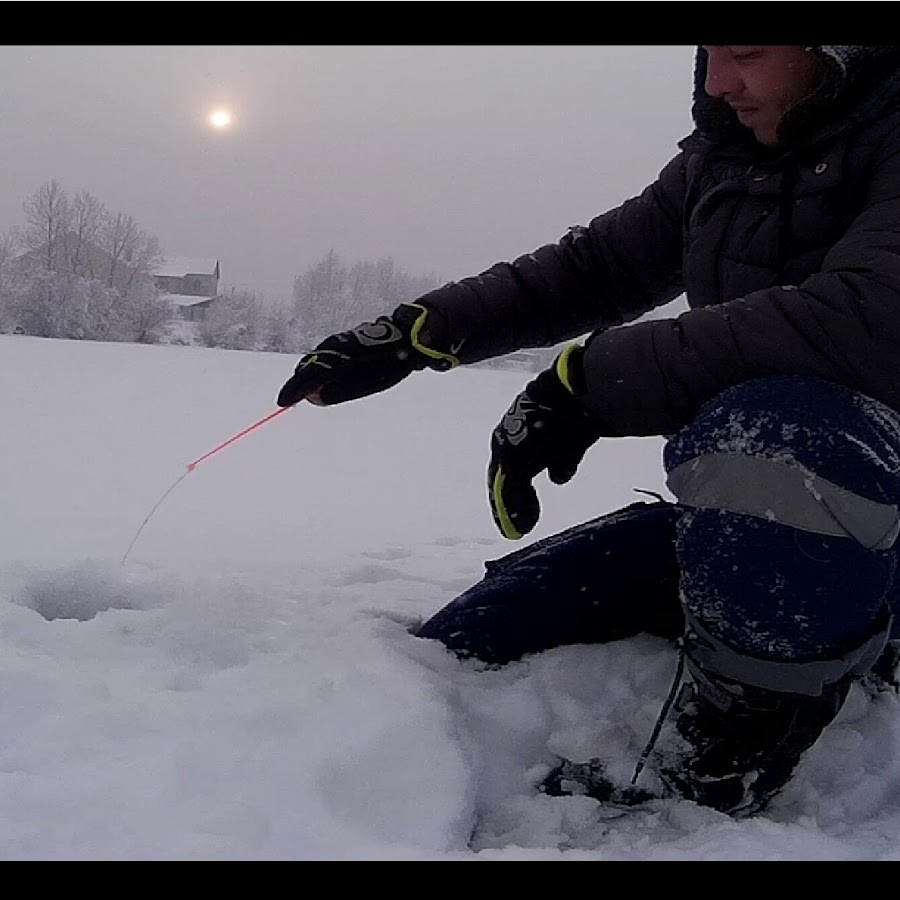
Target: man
<point x="778" y="393"/>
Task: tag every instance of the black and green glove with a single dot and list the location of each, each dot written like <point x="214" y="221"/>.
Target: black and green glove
<point x="545" y="428"/>
<point x="367" y="359"/>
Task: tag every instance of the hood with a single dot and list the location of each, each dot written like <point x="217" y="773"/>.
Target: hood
<point x="850" y="75"/>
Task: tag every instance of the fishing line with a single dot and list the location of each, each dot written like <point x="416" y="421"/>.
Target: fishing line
<point x="156" y="506"/>
<point x="193" y="465"/>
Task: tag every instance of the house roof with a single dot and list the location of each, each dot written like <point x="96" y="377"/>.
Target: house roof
<point x="186" y="299"/>
<point x="179" y="266"/>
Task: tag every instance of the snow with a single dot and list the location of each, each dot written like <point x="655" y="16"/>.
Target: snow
<point x="244" y="684"/>
<point x="179" y="266"/>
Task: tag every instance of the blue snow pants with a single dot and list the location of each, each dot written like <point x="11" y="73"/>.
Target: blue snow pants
<point x="780" y="550"/>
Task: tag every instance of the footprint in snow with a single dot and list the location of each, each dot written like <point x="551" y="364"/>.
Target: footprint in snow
<point x="390" y="553"/>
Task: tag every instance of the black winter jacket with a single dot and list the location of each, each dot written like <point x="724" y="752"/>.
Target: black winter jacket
<point x="789" y="260"/>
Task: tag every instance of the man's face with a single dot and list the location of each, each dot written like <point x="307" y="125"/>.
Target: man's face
<point x="761" y="83"/>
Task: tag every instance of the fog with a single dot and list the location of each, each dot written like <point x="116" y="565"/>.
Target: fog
<point x="445" y="158"/>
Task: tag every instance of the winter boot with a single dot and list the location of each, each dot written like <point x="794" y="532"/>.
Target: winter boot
<point x="730" y="747"/>
<point x="736" y="746"/>
<point x="741" y="724"/>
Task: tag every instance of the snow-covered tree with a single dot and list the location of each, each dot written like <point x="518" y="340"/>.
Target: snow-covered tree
<point x="50" y="304"/>
<point x="9" y="244"/>
<point x="330" y="297"/>
<point x="279" y="337"/>
<point x="235" y="322"/>
<point x="138" y="314"/>
<point x="85" y="273"/>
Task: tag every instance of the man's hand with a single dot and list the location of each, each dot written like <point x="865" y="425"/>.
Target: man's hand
<point x="370" y="358"/>
<point x="545" y="428"/>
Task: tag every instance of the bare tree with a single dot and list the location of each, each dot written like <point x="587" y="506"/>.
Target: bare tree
<point x="131" y="251"/>
<point x="145" y="255"/>
<point x="118" y="235"/>
<point x="87" y="217"/>
<point x="48" y="218"/>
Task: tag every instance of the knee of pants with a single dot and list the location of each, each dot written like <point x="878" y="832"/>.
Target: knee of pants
<point x="790" y="489"/>
<point x="825" y="430"/>
<point x="776" y="592"/>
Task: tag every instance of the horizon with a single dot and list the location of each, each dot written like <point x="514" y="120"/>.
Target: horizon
<point x="444" y="158"/>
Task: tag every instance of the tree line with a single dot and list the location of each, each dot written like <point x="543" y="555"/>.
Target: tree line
<point x="77" y="270"/>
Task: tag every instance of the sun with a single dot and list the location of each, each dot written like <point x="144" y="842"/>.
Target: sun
<point x="220" y="118"/>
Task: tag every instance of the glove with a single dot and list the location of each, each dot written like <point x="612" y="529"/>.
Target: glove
<point x="370" y="358"/>
<point x="545" y="428"/>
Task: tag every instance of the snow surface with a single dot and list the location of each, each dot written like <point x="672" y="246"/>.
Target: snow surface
<point x="244" y="685"/>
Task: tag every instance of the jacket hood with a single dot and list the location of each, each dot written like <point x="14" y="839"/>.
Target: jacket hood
<point x="851" y="74"/>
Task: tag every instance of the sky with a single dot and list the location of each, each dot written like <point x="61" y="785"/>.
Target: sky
<point x="446" y="158"/>
<point x="217" y="662"/>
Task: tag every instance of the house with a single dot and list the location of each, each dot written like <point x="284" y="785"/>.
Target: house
<point x="190" y="283"/>
<point x="73" y="254"/>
